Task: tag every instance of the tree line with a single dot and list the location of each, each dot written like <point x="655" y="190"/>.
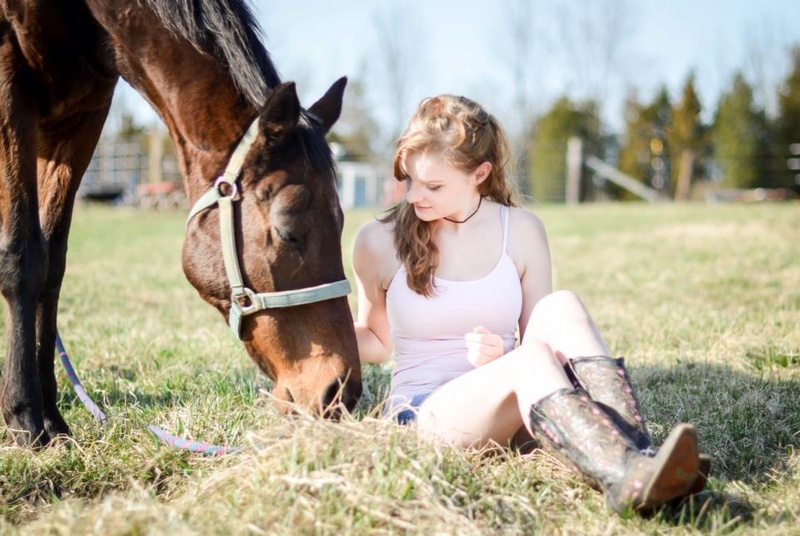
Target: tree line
<point x="666" y="145"/>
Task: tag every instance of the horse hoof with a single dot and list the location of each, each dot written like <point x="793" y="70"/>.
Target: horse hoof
<point x="56" y="426"/>
<point x="29" y="439"/>
<point x="26" y="433"/>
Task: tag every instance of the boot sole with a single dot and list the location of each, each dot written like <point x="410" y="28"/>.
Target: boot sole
<point x="703" y="472"/>
<point x="677" y="464"/>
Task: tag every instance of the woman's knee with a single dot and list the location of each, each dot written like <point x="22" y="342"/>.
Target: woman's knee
<point x="562" y="307"/>
<point x="561" y="301"/>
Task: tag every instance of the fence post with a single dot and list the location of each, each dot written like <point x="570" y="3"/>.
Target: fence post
<point x="685" y="175"/>
<point x="574" y="164"/>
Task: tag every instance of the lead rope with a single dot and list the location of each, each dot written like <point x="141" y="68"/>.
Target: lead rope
<point x="176" y="442"/>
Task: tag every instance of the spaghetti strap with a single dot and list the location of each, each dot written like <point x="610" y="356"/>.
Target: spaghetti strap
<point x="504" y="217"/>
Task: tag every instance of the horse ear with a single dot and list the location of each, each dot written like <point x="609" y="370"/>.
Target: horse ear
<point x="280" y="113"/>
<point x="329" y="107"/>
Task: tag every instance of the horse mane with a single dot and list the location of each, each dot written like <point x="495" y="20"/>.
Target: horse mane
<point x="228" y="31"/>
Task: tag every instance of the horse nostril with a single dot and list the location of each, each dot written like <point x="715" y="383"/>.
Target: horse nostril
<point x="342" y="393"/>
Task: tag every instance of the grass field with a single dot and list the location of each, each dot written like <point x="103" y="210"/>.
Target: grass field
<point x="704" y="302"/>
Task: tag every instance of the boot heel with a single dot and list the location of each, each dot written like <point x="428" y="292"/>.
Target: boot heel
<point x="672" y="472"/>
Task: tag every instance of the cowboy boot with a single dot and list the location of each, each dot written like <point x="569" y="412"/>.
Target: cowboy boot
<point x="607" y="381"/>
<point x="580" y="432"/>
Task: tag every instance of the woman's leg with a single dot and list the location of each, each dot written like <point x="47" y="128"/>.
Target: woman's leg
<point x="492" y="402"/>
<point x="562" y="321"/>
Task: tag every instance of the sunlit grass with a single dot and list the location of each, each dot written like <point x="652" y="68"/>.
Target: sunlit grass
<point x="703" y="302"/>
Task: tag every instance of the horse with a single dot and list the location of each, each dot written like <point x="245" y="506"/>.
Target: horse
<point x="262" y="243"/>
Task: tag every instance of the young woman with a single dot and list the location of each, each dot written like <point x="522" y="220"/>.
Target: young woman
<point x="448" y="277"/>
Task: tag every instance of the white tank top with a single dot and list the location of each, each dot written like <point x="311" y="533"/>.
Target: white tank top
<point x="428" y="332"/>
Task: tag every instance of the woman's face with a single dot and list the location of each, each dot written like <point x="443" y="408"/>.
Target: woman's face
<point x="438" y="190"/>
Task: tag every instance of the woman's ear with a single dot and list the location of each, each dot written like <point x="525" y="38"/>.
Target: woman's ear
<point x="481" y="172"/>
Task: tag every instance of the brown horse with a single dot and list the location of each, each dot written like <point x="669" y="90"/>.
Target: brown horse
<point x="272" y="222"/>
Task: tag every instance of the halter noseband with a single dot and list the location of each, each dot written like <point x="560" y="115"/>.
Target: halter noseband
<point x="245" y="301"/>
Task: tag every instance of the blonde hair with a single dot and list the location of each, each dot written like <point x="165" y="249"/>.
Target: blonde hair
<point x="465" y="135"/>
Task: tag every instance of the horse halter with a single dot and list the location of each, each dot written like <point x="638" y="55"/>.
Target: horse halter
<point x="245" y="301"/>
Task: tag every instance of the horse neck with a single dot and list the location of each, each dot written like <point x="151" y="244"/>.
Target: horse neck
<point x="193" y="93"/>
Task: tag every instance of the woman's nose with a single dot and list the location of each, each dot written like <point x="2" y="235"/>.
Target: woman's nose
<point x="413" y="195"/>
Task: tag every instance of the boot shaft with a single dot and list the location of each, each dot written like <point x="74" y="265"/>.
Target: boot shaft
<point x="582" y="433"/>
<point x="607" y="381"/>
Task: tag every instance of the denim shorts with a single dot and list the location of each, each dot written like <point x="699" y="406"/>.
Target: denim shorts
<point x="409" y="415"/>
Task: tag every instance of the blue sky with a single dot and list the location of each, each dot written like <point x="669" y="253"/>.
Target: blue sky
<point x="461" y="46"/>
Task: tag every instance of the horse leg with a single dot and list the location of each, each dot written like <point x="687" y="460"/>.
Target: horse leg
<point x="61" y="167"/>
<point x="23" y="265"/>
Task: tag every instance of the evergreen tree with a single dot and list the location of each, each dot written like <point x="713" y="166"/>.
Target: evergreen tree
<point x="739" y="134"/>
<point x="634" y="152"/>
<point x="644" y="152"/>
<point x="549" y="147"/>
<point x="686" y="139"/>
<point x="787" y="130"/>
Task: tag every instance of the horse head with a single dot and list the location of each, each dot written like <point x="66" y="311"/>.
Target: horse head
<point x="274" y="216"/>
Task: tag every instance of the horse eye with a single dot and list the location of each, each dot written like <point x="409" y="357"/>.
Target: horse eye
<point x="264" y="193"/>
<point x="289" y="238"/>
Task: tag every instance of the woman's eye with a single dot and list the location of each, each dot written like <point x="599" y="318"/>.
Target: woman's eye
<point x="434" y="188"/>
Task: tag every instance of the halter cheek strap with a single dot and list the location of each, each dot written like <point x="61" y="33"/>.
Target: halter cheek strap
<point x="245" y="301"/>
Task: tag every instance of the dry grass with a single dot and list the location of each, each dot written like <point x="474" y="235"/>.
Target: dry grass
<point x="704" y="303"/>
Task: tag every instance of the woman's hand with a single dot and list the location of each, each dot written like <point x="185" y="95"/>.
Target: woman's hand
<point x="483" y="346"/>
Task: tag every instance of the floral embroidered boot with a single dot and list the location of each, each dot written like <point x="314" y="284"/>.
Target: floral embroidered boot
<point x="585" y="436"/>
<point x="607" y="381"/>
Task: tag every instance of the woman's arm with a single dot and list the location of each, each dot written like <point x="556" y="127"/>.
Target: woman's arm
<point x="373" y="255"/>
<point x="531" y="253"/>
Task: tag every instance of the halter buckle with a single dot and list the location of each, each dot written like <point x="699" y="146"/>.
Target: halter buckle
<point x="226" y="188"/>
<point x="243" y="303"/>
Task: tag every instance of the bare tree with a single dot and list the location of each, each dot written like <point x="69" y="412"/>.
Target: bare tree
<point x="520" y="54"/>
<point x="765" y="61"/>
<point x="400" y="61"/>
<point x="593" y="39"/>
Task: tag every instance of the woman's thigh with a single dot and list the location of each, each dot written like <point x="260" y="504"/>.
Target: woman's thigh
<point x="491" y="403"/>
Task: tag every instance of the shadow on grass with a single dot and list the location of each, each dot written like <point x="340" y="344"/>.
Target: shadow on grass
<point x="709" y="509"/>
<point x="748" y="423"/>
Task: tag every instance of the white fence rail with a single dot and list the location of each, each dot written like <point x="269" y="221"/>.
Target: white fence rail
<point x="141" y="173"/>
<point x="118" y="168"/>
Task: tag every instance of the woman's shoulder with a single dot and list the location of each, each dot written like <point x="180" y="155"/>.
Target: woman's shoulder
<point x="527" y="237"/>
<point x="375" y="235"/>
<point x="522" y="221"/>
<point x="374" y="249"/>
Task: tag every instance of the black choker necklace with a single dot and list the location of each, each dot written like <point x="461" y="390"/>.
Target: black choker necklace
<point x="480" y="200"/>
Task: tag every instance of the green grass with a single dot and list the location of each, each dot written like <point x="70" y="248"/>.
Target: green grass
<point x="704" y="302"/>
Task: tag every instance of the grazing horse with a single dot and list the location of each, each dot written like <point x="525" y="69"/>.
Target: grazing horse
<point x="262" y="243"/>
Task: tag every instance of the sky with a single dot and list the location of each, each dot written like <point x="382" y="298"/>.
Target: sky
<point x="464" y="47"/>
